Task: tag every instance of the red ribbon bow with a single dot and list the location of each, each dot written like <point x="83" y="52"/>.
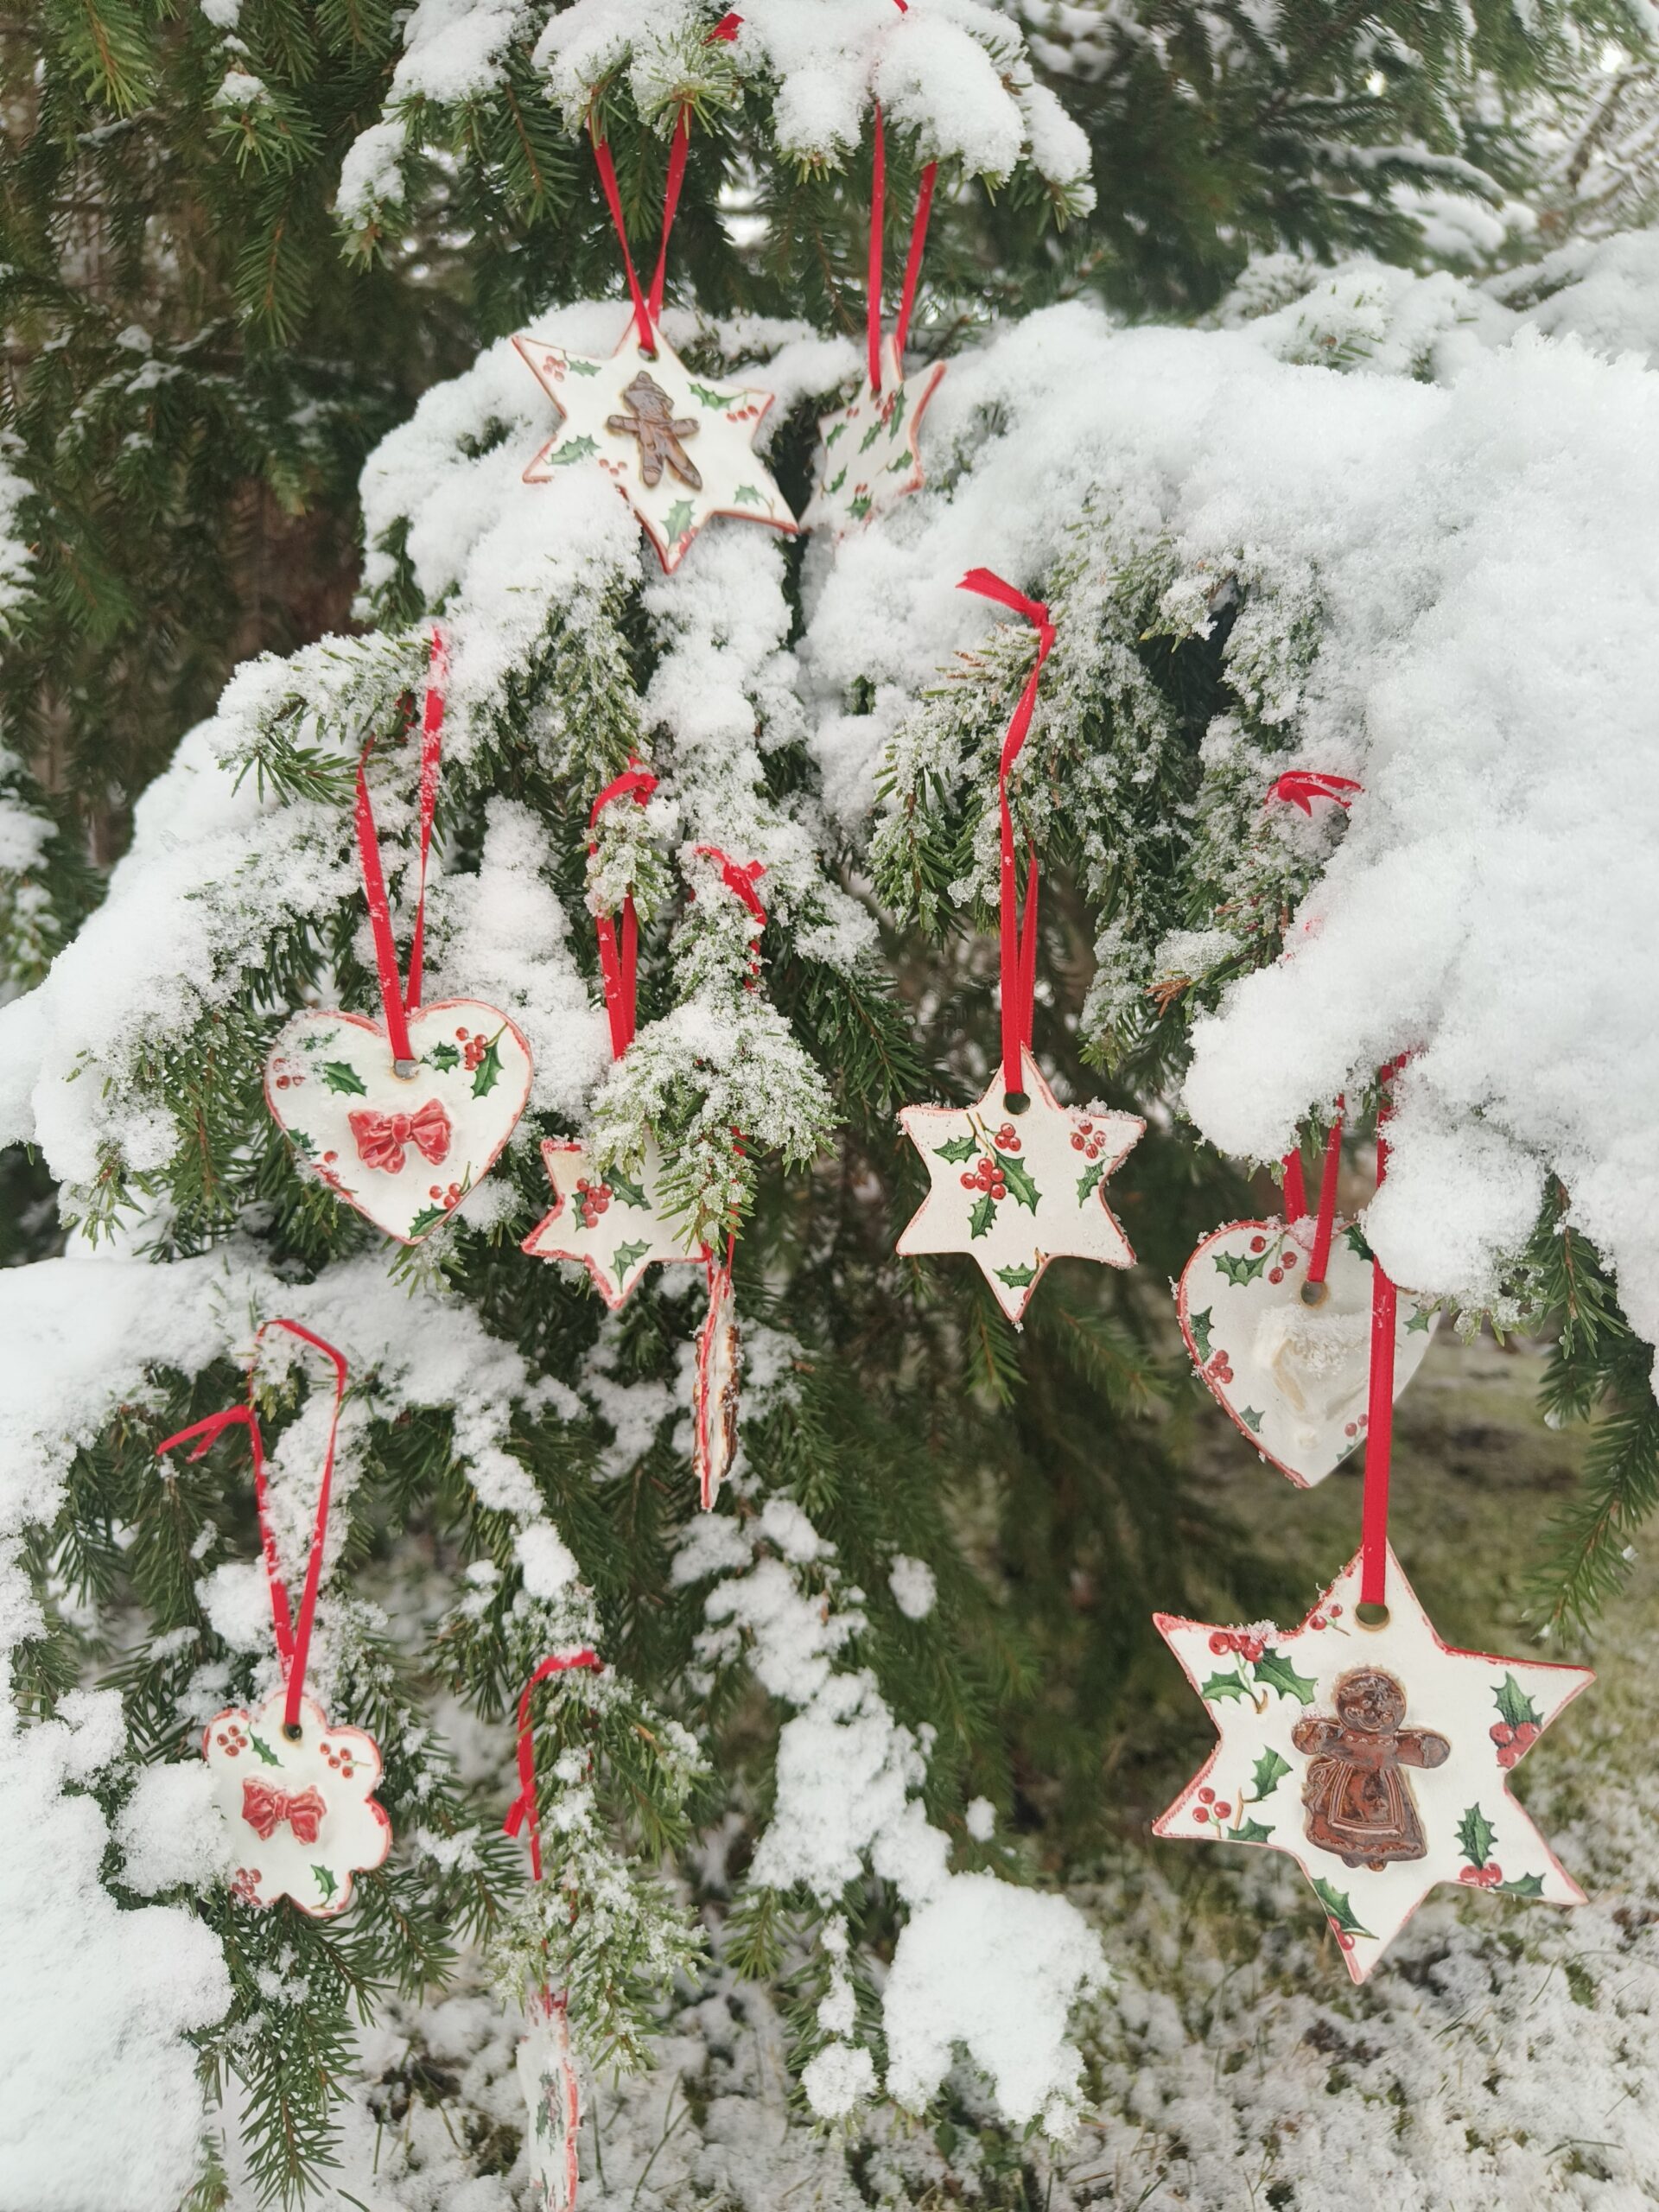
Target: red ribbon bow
<point x="739" y="881"/>
<point x="381" y="1138"/>
<point x="1302" y="786"/>
<point x="264" y="1808"/>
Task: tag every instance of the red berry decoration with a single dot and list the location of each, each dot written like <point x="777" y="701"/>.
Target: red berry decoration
<point x="1258" y="1243"/>
<point x="1205" y="1796"/>
<point x="1220" y="1642"/>
<point x="1501" y="1733"/>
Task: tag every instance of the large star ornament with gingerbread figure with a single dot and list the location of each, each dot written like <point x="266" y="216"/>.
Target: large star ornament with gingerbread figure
<point x="1377" y="1758"/>
<point x="678" y="448"/>
<point x="1014" y="1191"/>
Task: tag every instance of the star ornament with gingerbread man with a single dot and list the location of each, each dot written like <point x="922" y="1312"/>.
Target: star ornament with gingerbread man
<point x="679" y="449"/>
<point x="1376" y="1758"/>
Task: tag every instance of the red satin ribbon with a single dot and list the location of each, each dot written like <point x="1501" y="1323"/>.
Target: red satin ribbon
<point x="293" y="1638"/>
<point x="912" y="259"/>
<point x="738" y="880"/>
<point x="1379" y="1414"/>
<point x="1019" y="935"/>
<point x="1300" y="787"/>
<point x="523" y="1808"/>
<point x="619" y="964"/>
<point x="1295" y="1188"/>
<point x="1319" y="1259"/>
<point x="397" y="1002"/>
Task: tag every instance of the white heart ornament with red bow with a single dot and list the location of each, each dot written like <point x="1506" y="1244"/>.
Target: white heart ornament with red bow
<point x="300" y="1810"/>
<point x="404" y="1149"/>
<point x="1294" y="1376"/>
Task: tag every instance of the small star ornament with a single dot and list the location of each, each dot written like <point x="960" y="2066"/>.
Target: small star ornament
<point x="403" y="1149"/>
<point x="301" y="1811"/>
<point x="678" y="449"/>
<point x="1014" y="1191"/>
<point x="1377" y="1758"/>
<point x="1292" y="1370"/>
<point x="552" y="2089"/>
<point x="610" y="1222"/>
<point x="871" y="458"/>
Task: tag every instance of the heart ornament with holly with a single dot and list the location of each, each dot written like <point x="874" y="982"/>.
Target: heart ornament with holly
<point x="1288" y="1360"/>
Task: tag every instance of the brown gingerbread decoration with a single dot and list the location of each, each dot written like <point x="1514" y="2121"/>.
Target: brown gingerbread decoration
<point x="1358" y="1799"/>
<point x="659" y="431"/>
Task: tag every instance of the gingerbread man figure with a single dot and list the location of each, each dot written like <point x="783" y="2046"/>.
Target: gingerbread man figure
<point x="1358" y="1799"/>
<point x="659" y="431"/>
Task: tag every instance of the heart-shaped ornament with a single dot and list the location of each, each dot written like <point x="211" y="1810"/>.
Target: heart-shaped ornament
<point x="1294" y="1376"/>
<point x="404" y="1149"/>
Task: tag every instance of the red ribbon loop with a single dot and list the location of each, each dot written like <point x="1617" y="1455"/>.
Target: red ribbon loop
<point x="397" y="1002"/>
<point x="1379" y="1413"/>
<point x="1018" y="934"/>
<point x="878" y="236"/>
<point x="618" y="965"/>
<point x="523" y="1808"/>
<point x="1325" y="1221"/>
<point x="1295" y="1188"/>
<point x="293" y="1641"/>
<point x="1302" y="786"/>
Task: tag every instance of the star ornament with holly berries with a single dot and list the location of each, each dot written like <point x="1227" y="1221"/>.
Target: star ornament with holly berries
<point x="679" y="449"/>
<point x="1014" y="1191"/>
<point x="1375" y="1757"/>
<point x="871" y="457"/>
<point x="609" y="1222"/>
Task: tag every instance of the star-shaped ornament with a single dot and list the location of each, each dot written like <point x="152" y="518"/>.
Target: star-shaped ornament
<point x="613" y="1223"/>
<point x="679" y="450"/>
<point x="1377" y="1758"/>
<point x="1015" y="1190"/>
<point x="871" y="458"/>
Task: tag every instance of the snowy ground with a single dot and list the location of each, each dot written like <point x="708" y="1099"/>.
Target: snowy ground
<point x="1498" y="2059"/>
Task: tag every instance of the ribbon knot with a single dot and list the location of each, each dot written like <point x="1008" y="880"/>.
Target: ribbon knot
<point x="738" y="880"/>
<point x="523" y="1808"/>
<point x="1302" y="786"/>
<point x="265" y="1808"/>
<point x="382" y="1139"/>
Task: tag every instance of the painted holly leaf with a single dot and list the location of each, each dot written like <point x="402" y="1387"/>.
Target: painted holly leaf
<point x="263" y="1748"/>
<point x="487" y="1073"/>
<point x="839" y="479"/>
<point x="958" y="1151"/>
<point x="1525" y="1885"/>
<point x="1336" y="1903"/>
<point x="1016" y="1278"/>
<point x="1200" y="1323"/>
<point x="751" y="495"/>
<point x="860" y="506"/>
<point x="1021" y="1183"/>
<point x="1270" y="1771"/>
<point x="326" y="1880"/>
<point x="701" y="393"/>
<point x="895" y="415"/>
<point x="899" y="467"/>
<point x="1244" y="1831"/>
<point x="305" y="1145"/>
<point x="1231" y="1684"/>
<point x="840" y="432"/>
<point x="1514" y="1705"/>
<point x="1278" y="1673"/>
<point x="1354" y="1237"/>
<point x="1475" y="1836"/>
<point x="583" y="368"/>
<point x="581" y="448"/>
<point x="1241" y="1267"/>
<point x="624" y="1187"/>
<point x="678" y="520"/>
<point x="869" y="437"/>
<point x="427" y="1218"/>
<point x="1089" y="1180"/>
<point x="1421" y="1318"/>
<point x="443" y="1058"/>
<point x="1251" y="1418"/>
<point x="340" y="1076"/>
<point x="624" y="1257"/>
<point x="983" y="1214"/>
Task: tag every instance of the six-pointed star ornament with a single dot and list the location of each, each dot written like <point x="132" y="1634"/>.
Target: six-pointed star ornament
<point x="1375" y="1757"/>
<point x="611" y="1222"/>
<point x="678" y="449"/>
<point x="1014" y="1191"/>
<point x="871" y="458"/>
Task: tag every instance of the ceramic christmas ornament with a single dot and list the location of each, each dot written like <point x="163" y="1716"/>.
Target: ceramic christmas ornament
<point x="1377" y="1758"/>
<point x="552" y="2091"/>
<point x="300" y="1808"/>
<point x="714" y="1388"/>
<point x="1293" y="1376"/>
<point x="679" y="449"/>
<point x="400" y="1116"/>
<point x="611" y="1222"/>
<point x="404" y="1149"/>
<point x="296" y="1794"/>
<point x="871" y="456"/>
<point x="1014" y="1191"/>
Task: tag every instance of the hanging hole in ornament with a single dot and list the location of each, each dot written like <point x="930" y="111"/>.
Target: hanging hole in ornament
<point x="1315" y="1293"/>
<point x="405" y="1070"/>
<point x="1370" y="1616"/>
<point x="1015" y="1101"/>
<point x="294" y="1730"/>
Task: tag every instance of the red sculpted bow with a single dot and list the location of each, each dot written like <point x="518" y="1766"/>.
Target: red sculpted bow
<point x="381" y="1137"/>
<point x="264" y="1808"/>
